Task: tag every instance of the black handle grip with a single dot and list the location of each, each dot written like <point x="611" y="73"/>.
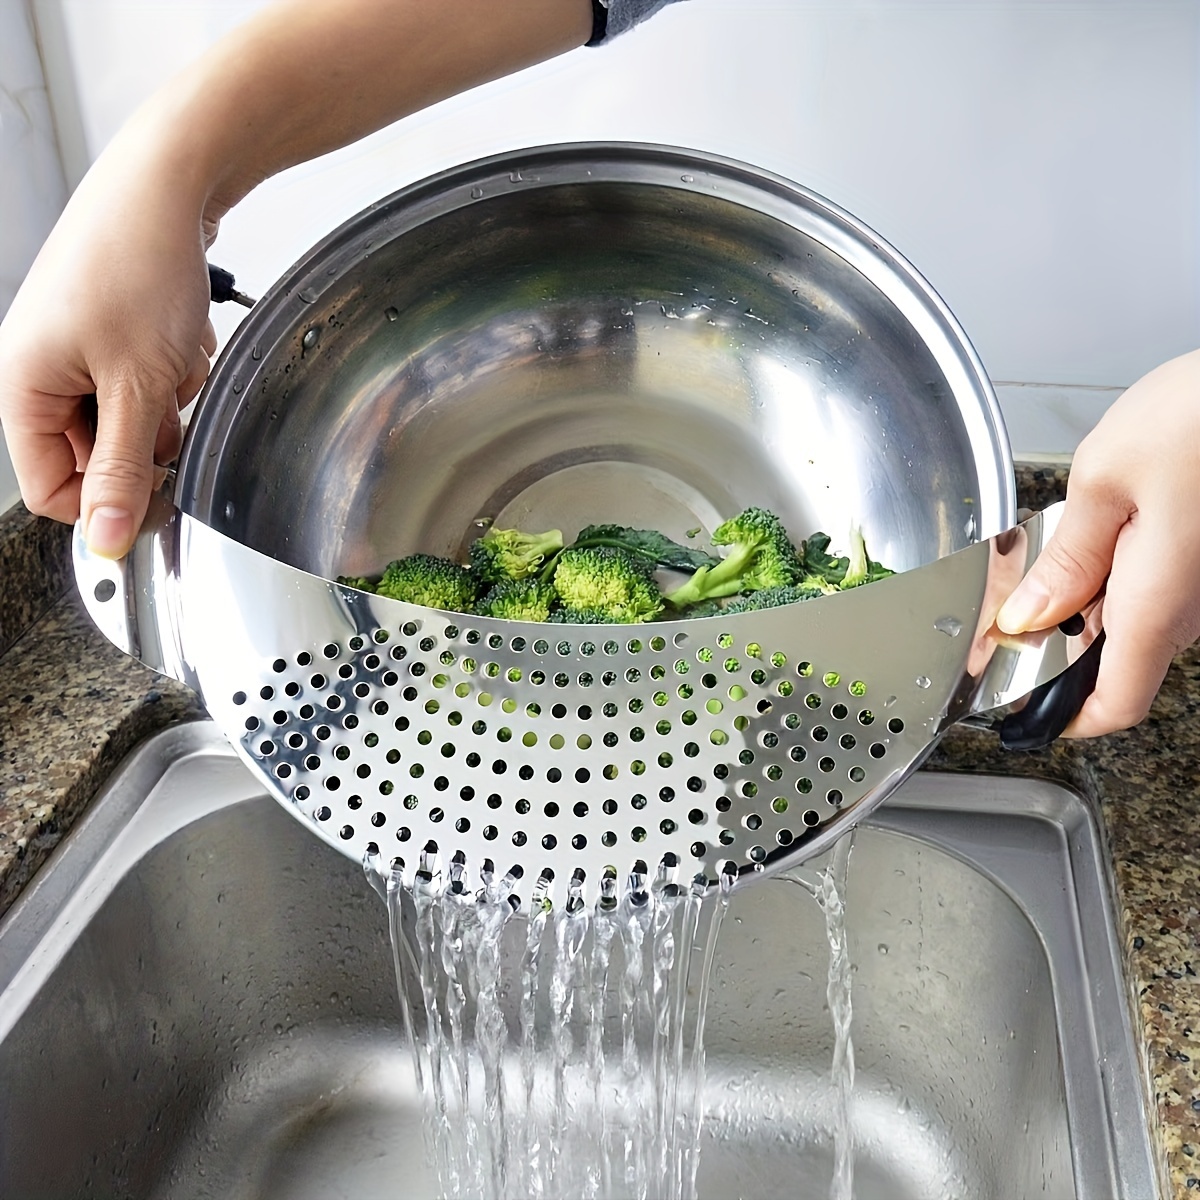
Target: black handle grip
<point x="1054" y="705"/>
<point x="221" y="289"/>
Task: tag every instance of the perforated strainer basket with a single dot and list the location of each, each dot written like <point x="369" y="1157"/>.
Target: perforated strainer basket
<point x="554" y="337"/>
<point x="722" y="744"/>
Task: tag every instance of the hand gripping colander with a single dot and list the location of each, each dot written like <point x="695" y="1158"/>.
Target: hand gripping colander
<point x="707" y="746"/>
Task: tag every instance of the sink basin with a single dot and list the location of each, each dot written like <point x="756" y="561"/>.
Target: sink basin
<point x="196" y="1000"/>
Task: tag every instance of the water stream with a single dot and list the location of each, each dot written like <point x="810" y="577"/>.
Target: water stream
<point x="562" y="1056"/>
<point x="828" y="887"/>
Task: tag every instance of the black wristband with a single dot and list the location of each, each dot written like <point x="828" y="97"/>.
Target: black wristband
<point x="599" y="23"/>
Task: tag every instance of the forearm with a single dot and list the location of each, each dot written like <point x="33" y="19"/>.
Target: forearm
<point x="304" y="77"/>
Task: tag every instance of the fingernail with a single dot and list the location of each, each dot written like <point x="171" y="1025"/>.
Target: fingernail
<point x="109" y="531"/>
<point x="1023" y="608"/>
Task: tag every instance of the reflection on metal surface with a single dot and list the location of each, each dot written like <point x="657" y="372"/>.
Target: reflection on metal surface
<point x="725" y="743"/>
<point x="491" y="338"/>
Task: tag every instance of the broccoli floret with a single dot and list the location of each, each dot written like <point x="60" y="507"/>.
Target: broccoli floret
<point x="760" y="556"/>
<point x="576" y="616"/>
<point x="510" y="554"/>
<point x="859" y="567"/>
<point x="518" y="600"/>
<point x="771" y="598"/>
<point x="433" y="582"/>
<point x="608" y="581"/>
<point x="818" y="585"/>
<point x="834" y="574"/>
<point x="356" y="581"/>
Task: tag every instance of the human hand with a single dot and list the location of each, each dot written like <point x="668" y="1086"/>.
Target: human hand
<point x="1130" y="520"/>
<point x="116" y="304"/>
<point x="117" y="301"/>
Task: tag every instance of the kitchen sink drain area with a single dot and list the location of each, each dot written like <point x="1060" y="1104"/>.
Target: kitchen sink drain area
<point x="197" y="1000"/>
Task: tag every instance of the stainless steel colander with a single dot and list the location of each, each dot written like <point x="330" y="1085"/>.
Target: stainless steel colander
<point x="551" y="338"/>
<point x="707" y="746"/>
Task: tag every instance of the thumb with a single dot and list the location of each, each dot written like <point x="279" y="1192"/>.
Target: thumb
<point x="1070" y="571"/>
<point x="120" y="472"/>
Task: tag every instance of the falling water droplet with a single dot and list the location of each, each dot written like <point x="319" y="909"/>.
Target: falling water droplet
<point x="392" y="314"/>
<point x="951" y="626"/>
<point x="923" y="681"/>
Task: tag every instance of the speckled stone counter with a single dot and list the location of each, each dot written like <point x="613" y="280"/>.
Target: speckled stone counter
<point x="71" y="707"/>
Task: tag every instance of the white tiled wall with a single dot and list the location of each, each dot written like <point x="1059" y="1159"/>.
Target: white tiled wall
<point x="32" y="191"/>
<point x="1038" y="161"/>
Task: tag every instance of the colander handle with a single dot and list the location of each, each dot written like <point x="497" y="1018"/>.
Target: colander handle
<point x="1054" y="705"/>
<point x="133" y="600"/>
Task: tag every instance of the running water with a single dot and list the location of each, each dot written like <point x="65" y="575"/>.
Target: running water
<point x="525" y="1098"/>
<point x="831" y="895"/>
<point x="829" y="891"/>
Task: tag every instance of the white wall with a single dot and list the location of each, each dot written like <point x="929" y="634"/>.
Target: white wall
<point x="1039" y="162"/>
<point x="32" y="191"/>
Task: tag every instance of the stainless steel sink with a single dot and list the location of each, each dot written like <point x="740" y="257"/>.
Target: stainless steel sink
<point x="196" y="1000"/>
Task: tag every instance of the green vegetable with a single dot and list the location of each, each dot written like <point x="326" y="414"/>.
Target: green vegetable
<point x="760" y="556"/>
<point x="608" y="581"/>
<point x="647" y="543"/>
<point x="607" y="575"/>
<point x="837" y="573"/>
<point x="768" y="598"/>
<point x="518" y="600"/>
<point x="356" y="581"/>
<point x="575" y="616"/>
<point x="510" y="554"/>
<point x="433" y="582"/>
<point x="859" y="568"/>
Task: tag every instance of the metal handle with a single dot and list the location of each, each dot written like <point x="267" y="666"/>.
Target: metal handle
<point x="134" y="601"/>
<point x="1053" y="705"/>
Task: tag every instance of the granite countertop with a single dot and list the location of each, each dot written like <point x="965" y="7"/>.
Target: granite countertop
<point x="71" y="706"/>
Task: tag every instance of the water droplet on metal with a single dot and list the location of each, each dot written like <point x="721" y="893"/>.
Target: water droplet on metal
<point x="237" y="387"/>
<point x="970" y="527"/>
<point x="882" y="948"/>
<point x="310" y="339"/>
<point x="482" y="522"/>
<point x="229" y="510"/>
<point x="515" y="177"/>
<point x="392" y="314"/>
<point x="477" y="193"/>
<point x="688" y="178"/>
<point x="951" y="626"/>
<point x="923" y="681"/>
<point x="256" y="353"/>
<point x="308" y="295"/>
